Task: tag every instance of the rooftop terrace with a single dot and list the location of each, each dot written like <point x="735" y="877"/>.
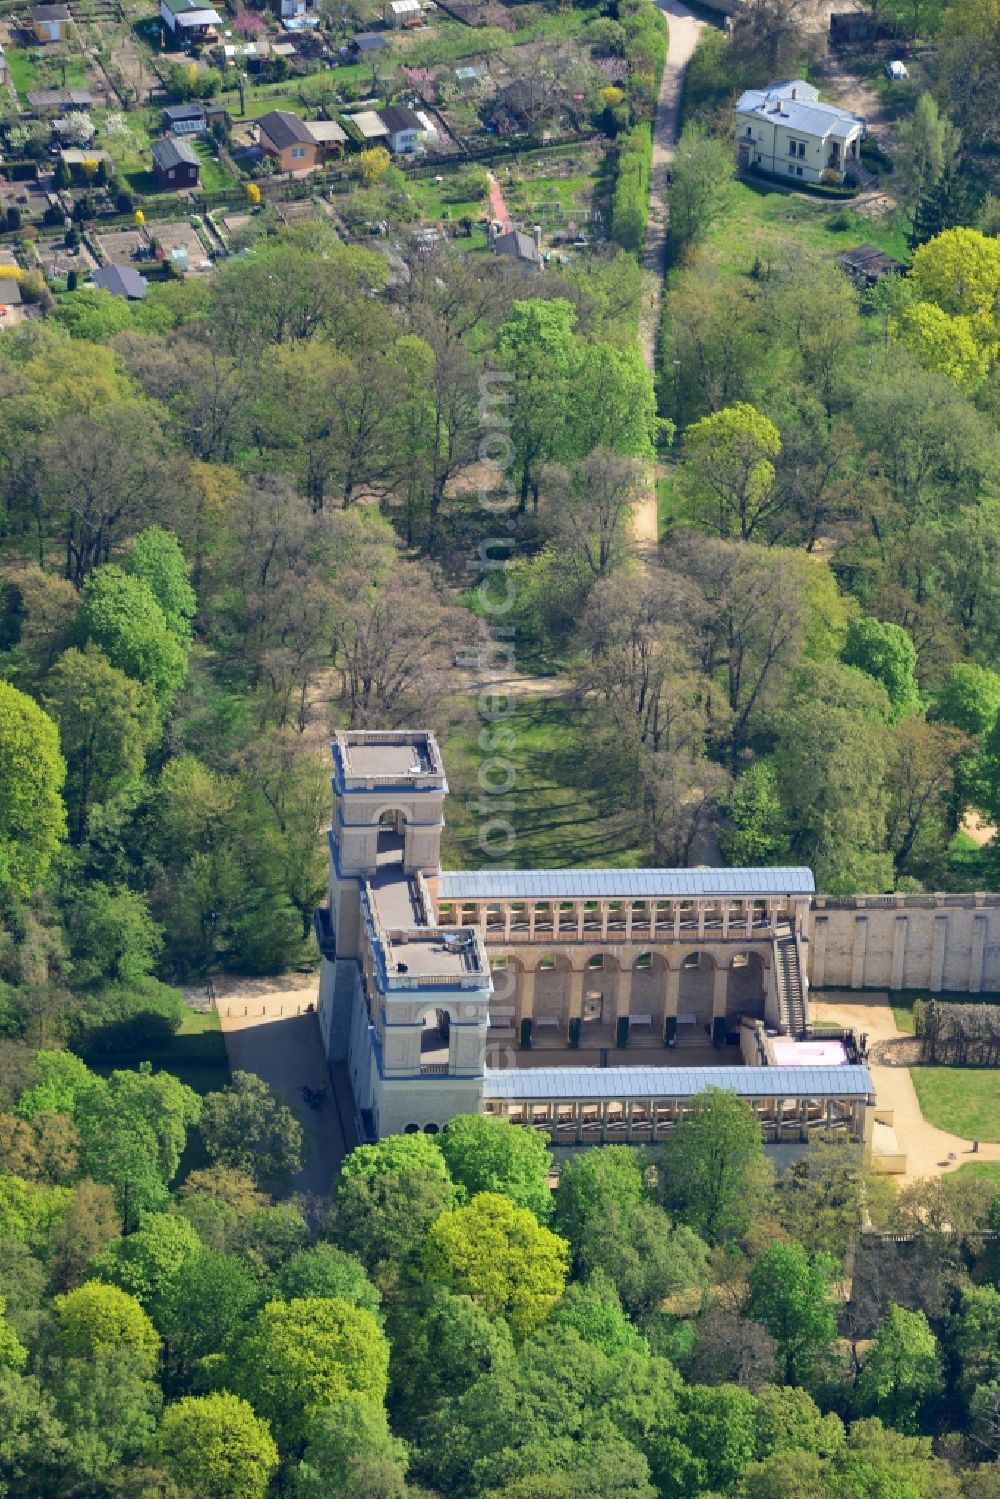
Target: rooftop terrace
<point x="366" y="759"/>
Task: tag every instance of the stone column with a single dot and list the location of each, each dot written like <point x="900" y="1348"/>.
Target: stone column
<point x="898" y="952"/>
<point x="526" y="994"/>
<point x="858" y="953"/>
<point x="555" y="919"/>
<point x="651" y="907"/>
<point x="677" y="920"/>
<point x="749" y="910"/>
<point x="576" y="977"/>
<point x="978" y="954"/>
<point x="531" y="921"/>
<point x="725" y="919"/>
<point x="605" y="910"/>
<point x="673" y="993"/>
<point x="628" y="920"/>
<point x="700" y="908"/>
<point x="508" y="916"/>
<point x="719" y="992"/>
<point x="581" y="916"/>
<point x="938" y="952"/>
<point x="623" y="993"/>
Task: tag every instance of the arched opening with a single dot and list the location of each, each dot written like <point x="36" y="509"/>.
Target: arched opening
<point x="435" y="1039"/>
<point x="551" y="1004"/>
<point x="745" y="986"/>
<point x="430" y="1129"/>
<point x="695" y="998"/>
<point x="597" y="1026"/>
<point x="411" y="1129"/>
<point x="391" y="838"/>
<point x="648" y="1000"/>
<point x="505" y="1002"/>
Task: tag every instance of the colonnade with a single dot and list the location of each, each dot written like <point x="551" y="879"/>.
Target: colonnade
<point x="606" y="1120"/>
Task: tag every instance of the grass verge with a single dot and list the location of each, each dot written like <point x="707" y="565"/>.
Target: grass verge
<point x="962" y="1100"/>
<point x="560" y="814"/>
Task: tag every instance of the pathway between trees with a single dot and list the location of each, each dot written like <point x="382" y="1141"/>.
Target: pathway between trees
<point x="684" y="29"/>
<point x="269" y="1031"/>
<point x="928" y="1149"/>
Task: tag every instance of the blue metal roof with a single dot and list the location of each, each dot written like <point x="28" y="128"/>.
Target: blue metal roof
<point x="677" y="1082"/>
<point x="595" y="884"/>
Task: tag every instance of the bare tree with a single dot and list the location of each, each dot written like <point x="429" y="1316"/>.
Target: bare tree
<point x="591" y="504"/>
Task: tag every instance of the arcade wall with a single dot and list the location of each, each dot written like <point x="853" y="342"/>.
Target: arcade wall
<point x="939" y="943"/>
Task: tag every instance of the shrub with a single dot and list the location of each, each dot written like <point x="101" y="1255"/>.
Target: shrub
<point x="630" y="201"/>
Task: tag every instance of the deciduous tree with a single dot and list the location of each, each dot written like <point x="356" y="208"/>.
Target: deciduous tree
<point x="32" y="774"/>
<point x="216" y="1447"/>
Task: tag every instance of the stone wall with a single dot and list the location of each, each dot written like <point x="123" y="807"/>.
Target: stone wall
<point x="934" y="942"/>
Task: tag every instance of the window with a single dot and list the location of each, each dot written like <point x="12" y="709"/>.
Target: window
<point x="593" y="1006"/>
<point x="791" y="148"/>
<point x="798" y="171"/>
<point x="692" y="960"/>
<point x="790" y="167"/>
<point x="298" y="152"/>
<point x="802" y="148"/>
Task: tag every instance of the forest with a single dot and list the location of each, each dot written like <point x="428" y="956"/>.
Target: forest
<point x="444" y="1324"/>
<point x="256" y="506"/>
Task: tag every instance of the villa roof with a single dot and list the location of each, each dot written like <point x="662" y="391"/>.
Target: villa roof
<point x="121" y="281"/>
<point x="396" y="117"/>
<point x="635" y="884"/>
<point x="796" y="104"/>
<point x="677" y="1082"/>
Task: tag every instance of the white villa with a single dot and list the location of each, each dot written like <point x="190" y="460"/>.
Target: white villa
<point x="784" y="130"/>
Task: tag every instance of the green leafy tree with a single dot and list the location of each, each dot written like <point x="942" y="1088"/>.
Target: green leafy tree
<point x="879" y="1461"/>
<point x="720" y="1433"/>
<point x="157" y="559"/>
<point x="298" y="1356"/>
<point x="594" y="1310"/>
<point x="120" y="614"/>
<point x="728" y="473"/>
<point x="970" y="698"/>
<point x="644" y="1255"/>
<point x="248" y="1128"/>
<point x="325" y="1270"/>
<point x="974" y="1331"/>
<point x="713" y="1170"/>
<point x="352" y="1453"/>
<point x="536" y="345"/>
<point x="441" y="1345"/>
<point x="32" y="774"/>
<point x="826" y="1192"/>
<point x="34" y="1446"/>
<point x="787" y="1419"/>
<point x="62" y="1080"/>
<point x="108" y="1405"/>
<point x="885" y="651"/>
<point x="209" y="1301"/>
<point x="112" y="937"/>
<point x="500" y="1255"/>
<point x="902" y="1370"/>
<point x="791" y="1295"/>
<point x="150" y="1262"/>
<point x="592" y="1186"/>
<point x="832" y="762"/>
<point x="492" y="1155"/>
<point x="387" y="1197"/>
<point x="31" y="1211"/>
<point x="13" y="1354"/>
<point x="217" y="1448"/>
<point x="754" y="832"/>
<point x="97" y="1317"/>
<point x="702" y="187"/>
<point x="107" y="722"/>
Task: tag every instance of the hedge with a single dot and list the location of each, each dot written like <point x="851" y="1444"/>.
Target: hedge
<point x="630" y="200"/>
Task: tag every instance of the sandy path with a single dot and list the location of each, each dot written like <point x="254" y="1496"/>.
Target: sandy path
<point x="684" y="29"/>
<point x="269" y="1031"/>
<point x="927" y="1148"/>
<point x="498" y="207"/>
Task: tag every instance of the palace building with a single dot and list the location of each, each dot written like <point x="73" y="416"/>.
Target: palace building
<point x="595" y="1003"/>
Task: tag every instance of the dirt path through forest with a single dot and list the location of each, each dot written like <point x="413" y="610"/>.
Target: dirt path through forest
<point x="684" y="29"/>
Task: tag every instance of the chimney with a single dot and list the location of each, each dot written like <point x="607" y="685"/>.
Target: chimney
<point x="536" y="235"/>
<point x="795" y="92"/>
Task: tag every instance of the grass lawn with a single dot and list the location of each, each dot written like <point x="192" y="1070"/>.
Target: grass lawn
<point x="213" y="176"/>
<point x="560" y="815"/>
<point x="196" y="1054"/>
<point x="988" y="1171"/>
<point x="762" y="221"/>
<point x="23" y="69"/>
<point x="963" y="1100"/>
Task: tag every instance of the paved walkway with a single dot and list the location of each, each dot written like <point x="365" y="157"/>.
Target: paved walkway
<point x="498" y="207"/>
<point x="684" y="29"/>
<point x="927" y="1148"/>
<point x="269" y="1031"/>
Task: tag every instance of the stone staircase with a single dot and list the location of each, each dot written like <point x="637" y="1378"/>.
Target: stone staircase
<point x="788" y="981"/>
